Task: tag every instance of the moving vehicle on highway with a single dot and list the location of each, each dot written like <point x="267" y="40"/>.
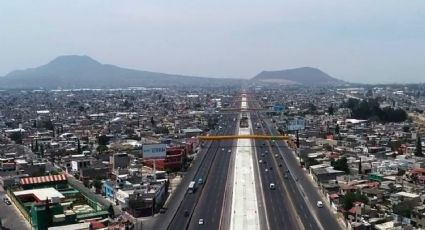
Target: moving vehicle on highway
<point x="201" y="221"/>
<point x="319" y="204"/>
<point x="7" y="201"/>
<point x="186" y="213"/>
<point x="272" y="186"/>
<point x="192" y="187"/>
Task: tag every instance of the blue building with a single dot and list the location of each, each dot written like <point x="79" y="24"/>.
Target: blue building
<point x="108" y="189"/>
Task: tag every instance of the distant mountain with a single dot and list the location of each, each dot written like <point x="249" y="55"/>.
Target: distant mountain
<point x="84" y="72"/>
<point x="302" y="76"/>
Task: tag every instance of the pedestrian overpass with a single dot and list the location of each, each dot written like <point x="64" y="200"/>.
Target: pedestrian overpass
<point x="248" y="136"/>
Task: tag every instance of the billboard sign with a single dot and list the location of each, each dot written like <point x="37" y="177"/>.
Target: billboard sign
<point x="296" y="124"/>
<point x="154" y="151"/>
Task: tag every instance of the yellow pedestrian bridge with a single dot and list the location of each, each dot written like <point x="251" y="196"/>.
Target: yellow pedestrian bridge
<point x="232" y="137"/>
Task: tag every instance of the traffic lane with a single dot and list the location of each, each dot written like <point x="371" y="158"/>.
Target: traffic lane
<point x="162" y="221"/>
<point x="280" y="199"/>
<point x="304" y="213"/>
<point x="10" y="216"/>
<point x="209" y="207"/>
<point x="210" y="204"/>
<point x="261" y="199"/>
<point x="301" y="207"/>
<point x="180" y="220"/>
<point x="278" y="208"/>
<point x="312" y="194"/>
<point x="303" y="210"/>
<point x="294" y="179"/>
<point x="325" y="217"/>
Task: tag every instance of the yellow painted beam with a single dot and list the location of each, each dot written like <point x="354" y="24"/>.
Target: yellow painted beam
<point x="232" y="137"/>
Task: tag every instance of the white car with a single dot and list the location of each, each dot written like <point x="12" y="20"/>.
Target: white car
<point x="272" y="186"/>
<point x="201" y="221"/>
<point x="319" y="204"/>
<point x="229" y="151"/>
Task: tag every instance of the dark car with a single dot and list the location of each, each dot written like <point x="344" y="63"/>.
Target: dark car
<point x="186" y="213"/>
<point x="162" y="210"/>
<point x="7" y="201"/>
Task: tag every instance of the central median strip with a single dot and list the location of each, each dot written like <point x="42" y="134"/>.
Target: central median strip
<point x="244" y="213"/>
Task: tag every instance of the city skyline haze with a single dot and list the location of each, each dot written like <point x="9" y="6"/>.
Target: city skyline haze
<point x="355" y="41"/>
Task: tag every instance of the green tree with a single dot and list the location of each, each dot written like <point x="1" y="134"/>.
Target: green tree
<point x="78" y="146"/>
<point x="48" y="125"/>
<point x="97" y="184"/>
<point x="337" y="129"/>
<point x="111" y="211"/>
<point x="41" y="150"/>
<point x="101" y="148"/>
<point x="312" y="108"/>
<point x="311" y="161"/>
<point x="341" y="164"/>
<point x="404" y="208"/>
<point x="36" y="146"/>
<point x="418" y="150"/>
<point x="103" y="140"/>
<point x="16" y="137"/>
<point x="331" y="110"/>
<point x="350" y="197"/>
<point x="360" y="166"/>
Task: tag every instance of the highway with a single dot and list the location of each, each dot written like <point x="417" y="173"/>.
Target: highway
<point x="213" y="172"/>
<point x="210" y="205"/>
<point x="280" y="210"/>
<point x="162" y="221"/>
<point x="299" y="188"/>
<point x="308" y="194"/>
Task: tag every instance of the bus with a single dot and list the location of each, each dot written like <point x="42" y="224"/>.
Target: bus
<point x="192" y="187"/>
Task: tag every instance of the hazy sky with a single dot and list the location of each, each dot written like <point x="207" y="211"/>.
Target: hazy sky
<point x="358" y="40"/>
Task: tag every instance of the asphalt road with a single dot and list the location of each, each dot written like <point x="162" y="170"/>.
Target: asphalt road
<point x="211" y="198"/>
<point x="298" y="187"/>
<point x="162" y="221"/>
<point x="308" y="194"/>
<point x="280" y="209"/>
<point x="210" y="205"/>
<point x="10" y="216"/>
